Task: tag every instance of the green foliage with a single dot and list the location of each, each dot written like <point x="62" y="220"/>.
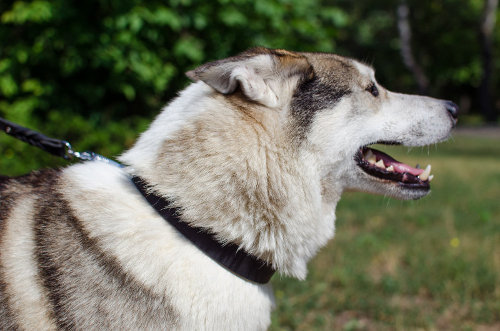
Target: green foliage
<point x="70" y="68"/>
<point x="98" y="62"/>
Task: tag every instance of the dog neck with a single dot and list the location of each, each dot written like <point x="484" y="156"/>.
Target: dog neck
<point x="234" y="174"/>
<point x="226" y="254"/>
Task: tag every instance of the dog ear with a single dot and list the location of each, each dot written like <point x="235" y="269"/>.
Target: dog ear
<point x="264" y="75"/>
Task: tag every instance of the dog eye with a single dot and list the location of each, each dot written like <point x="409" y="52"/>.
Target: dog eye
<point x="373" y="90"/>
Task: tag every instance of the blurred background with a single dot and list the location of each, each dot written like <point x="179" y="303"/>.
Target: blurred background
<point x="96" y="72"/>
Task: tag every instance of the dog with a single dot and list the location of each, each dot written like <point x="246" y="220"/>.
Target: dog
<point x="255" y="153"/>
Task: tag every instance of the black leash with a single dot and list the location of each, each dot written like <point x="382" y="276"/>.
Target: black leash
<point x="53" y="146"/>
<point x="57" y="147"/>
<point x="229" y="255"/>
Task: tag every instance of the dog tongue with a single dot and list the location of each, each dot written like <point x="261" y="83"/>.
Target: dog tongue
<point x="398" y="166"/>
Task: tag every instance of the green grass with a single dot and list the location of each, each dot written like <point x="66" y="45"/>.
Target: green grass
<point x="406" y="265"/>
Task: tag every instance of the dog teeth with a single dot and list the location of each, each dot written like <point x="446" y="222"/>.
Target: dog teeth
<point x="390" y="168"/>
<point x="380" y="164"/>
<point x="425" y="175"/>
<point x="430" y="177"/>
<point x="370" y="157"/>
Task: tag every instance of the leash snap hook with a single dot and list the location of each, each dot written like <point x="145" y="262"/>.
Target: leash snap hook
<point x="87" y="156"/>
<point x="70" y="153"/>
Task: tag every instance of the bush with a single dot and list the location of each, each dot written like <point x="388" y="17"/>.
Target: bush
<point x="70" y="68"/>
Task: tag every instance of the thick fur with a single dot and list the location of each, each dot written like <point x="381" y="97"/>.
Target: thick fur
<point x="258" y="151"/>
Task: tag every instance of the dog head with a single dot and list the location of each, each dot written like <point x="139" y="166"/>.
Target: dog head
<point x="334" y="106"/>
<point x="261" y="147"/>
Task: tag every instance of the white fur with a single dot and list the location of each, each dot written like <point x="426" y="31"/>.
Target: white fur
<point x="311" y="179"/>
<point x="301" y="226"/>
<point x="235" y="167"/>
<point x="189" y="104"/>
<point x="408" y="119"/>
<point x="20" y="269"/>
<point x="207" y="296"/>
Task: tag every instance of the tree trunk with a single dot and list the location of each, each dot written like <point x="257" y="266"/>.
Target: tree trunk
<point x="486" y="37"/>
<point x="406" y="50"/>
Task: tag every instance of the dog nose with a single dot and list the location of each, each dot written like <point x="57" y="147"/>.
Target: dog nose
<point x="452" y="108"/>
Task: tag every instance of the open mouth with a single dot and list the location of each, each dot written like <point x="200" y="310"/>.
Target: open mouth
<point x="383" y="166"/>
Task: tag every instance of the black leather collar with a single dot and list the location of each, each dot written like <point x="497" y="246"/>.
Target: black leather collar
<point x="228" y="255"/>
